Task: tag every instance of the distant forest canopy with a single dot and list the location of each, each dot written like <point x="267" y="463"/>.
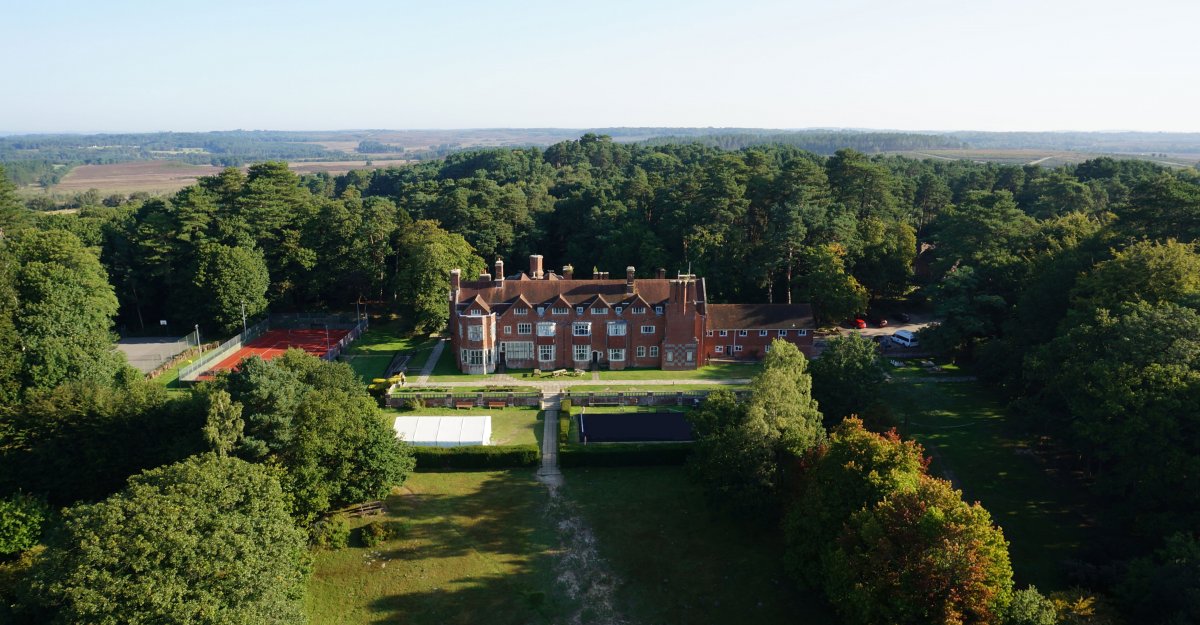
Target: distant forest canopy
<point x="1118" y="142"/>
<point x="821" y="142"/>
<point x="44" y="158"/>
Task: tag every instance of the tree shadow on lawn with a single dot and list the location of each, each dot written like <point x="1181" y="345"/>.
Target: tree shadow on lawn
<point x="479" y="555"/>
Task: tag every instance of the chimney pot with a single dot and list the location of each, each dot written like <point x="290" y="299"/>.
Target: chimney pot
<point x="568" y="272"/>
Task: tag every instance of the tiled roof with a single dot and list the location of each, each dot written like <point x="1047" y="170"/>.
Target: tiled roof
<point x="759" y="316"/>
<point x="654" y="291"/>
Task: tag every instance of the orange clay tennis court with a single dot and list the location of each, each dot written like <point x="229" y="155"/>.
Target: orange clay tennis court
<point x="274" y="343"/>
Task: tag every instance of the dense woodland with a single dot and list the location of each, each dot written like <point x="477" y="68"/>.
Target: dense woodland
<point x="1074" y="291"/>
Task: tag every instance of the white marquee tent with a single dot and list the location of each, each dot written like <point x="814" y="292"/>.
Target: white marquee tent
<point x="424" y="431"/>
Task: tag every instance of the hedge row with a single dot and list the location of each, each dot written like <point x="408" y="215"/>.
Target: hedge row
<point x="624" y="454"/>
<point x="476" y="457"/>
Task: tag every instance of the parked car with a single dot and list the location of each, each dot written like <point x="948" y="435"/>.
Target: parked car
<point x="903" y="316"/>
<point x="860" y="323"/>
<point x="904" y="338"/>
<point x="880" y="322"/>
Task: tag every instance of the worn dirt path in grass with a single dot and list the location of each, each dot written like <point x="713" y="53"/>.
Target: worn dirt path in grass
<point x="580" y="573"/>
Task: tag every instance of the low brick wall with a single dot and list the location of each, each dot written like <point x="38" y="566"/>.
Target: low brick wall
<point x="478" y="400"/>
<point x="645" y="398"/>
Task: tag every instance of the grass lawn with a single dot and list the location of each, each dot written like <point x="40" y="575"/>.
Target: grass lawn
<point x="963" y="427"/>
<point x="510" y="426"/>
<point x="476" y="550"/>
<point x="170" y="380"/>
<point x="370" y="355"/>
<point x="599" y="387"/>
<point x="720" y="371"/>
<point x="675" y="562"/>
<point x="492" y="547"/>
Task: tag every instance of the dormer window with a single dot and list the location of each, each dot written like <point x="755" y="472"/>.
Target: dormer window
<point x="658" y="310"/>
<point x="579" y="310"/>
<point x="541" y="310"/>
<point x="619" y="309"/>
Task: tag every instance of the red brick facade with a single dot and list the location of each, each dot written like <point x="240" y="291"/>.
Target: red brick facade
<point x="545" y="320"/>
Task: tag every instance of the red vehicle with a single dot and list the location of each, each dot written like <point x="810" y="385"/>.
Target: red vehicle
<point x="860" y="323"/>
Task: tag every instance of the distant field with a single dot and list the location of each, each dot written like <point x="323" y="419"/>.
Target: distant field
<point x="148" y="176"/>
<point x="159" y="177"/>
<point x="1045" y="158"/>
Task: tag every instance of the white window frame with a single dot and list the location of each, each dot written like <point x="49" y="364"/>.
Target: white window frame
<point x="742" y="333"/>
<point x="558" y="310"/>
<point x="545" y="328"/>
<point x="616" y="354"/>
<point x="617" y="328"/>
<point x="783" y="333"/>
<point x="520" y="311"/>
<point x="689" y="356"/>
<point x="581" y="353"/>
<point x="658" y="310"/>
<point x="762" y="332"/>
<point x="508" y="329"/>
<point x="641" y="351"/>
<point x="801" y="332"/>
<point x="724" y="333"/>
<point x="581" y="328"/>
<point x="473" y="355"/>
<point x="647" y="329"/>
<point x="654" y="351"/>
<point x="670" y="357"/>
<point x="618" y="309"/>
<point x="708" y="333"/>
<point x="545" y="353"/>
<point x="638" y="310"/>
<point x="475" y="312"/>
<point x="579" y="310"/>
<point x="737" y="348"/>
<point x="474" y="333"/>
<point x="720" y="349"/>
<point x="599" y="311"/>
<point x="525" y="328"/>
<point x="517" y="350"/>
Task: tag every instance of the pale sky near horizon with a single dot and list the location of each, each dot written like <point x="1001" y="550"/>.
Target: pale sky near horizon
<point x="306" y="65"/>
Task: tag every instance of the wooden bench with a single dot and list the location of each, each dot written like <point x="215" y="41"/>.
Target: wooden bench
<point x="464" y="404"/>
<point x="368" y="508"/>
<point x="497" y="404"/>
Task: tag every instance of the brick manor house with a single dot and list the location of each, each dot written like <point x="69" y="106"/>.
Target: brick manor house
<point x="545" y="320"/>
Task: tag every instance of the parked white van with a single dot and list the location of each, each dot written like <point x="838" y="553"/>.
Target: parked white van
<point x="904" y="338"/>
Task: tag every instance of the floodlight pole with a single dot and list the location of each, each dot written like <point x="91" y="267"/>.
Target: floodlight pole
<point x="243" y="318"/>
<point x="198" y="338"/>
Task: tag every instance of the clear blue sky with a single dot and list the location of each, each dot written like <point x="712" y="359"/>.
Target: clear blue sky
<point x="296" y="65"/>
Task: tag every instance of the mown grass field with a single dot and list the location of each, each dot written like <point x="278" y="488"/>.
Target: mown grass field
<point x="493" y="547"/>
<point x="510" y="426"/>
<point x="964" y="429"/>
<point x="477" y="549"/>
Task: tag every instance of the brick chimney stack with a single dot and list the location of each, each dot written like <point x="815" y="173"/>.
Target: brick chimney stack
<point x="535" y="266"/>
<point x="485" y="276"/>
<point x="629" y="275"/>
<point x="455" y="280"/>
<point x="499" y="272"/>
<point x="660" y="273"/>
<point x="568" y="272"/>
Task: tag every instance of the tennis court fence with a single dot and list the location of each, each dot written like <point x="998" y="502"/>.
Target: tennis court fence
<point x="288" y="321"/>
